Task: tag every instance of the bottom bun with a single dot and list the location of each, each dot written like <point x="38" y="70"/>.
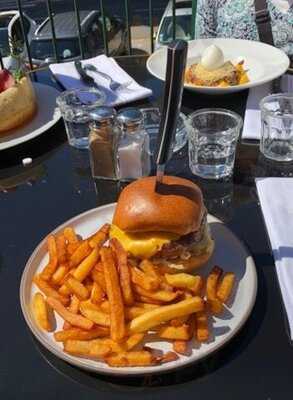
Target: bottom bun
<point x="193" y="262"/>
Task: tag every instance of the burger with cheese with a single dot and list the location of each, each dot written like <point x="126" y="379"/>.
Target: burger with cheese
<point x="165" y="222"/>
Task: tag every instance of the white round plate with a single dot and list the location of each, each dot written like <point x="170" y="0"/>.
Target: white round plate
<point x="263" y="62"/>
<point x="47" y="115"/>
<point x="230" y="254"/>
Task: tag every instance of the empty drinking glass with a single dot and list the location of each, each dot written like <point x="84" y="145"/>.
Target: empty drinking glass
<point x="212" y="142"/>
<point x="277" y="127"/>
<point x="75" y="106"/>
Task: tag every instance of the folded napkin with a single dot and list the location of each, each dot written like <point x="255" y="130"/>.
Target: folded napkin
<point x="68" y="76"/>
<point x="252" y="121"/>
<point x="278" y="216"/>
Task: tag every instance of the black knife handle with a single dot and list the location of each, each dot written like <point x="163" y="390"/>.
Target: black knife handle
<point x="176" y="62"/>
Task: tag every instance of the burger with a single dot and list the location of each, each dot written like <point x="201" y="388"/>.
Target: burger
<point x="165" y="222"/>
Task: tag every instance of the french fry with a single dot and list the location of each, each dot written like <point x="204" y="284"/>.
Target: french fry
<point x="143" y="280"/>
<point x="185" y="281"/>
<point x="214" y="304"/>
<point x="117" y="327"/>
<point x="100" y="237"/>
<point x="225" y="287"/>
<point x="165" y="313"/>
<point x="97" y="293"/>
<point x="148" y="300"/>
<point x="180" y="346"/>
<point x="82" y="251"/>
<point x="134" y="340"/>
<point x="161" y="295"/>
<point x="41" y="312"/>
<point x="80" y="334"/>
<point x="50" y="268"/>
<point x="175" y="333"/>
<point x="59" y="274"/>
<point x="167" y="357"/>
<point x="98" y="277"/>
<point x="48" y="290"/>
<point x="179" y="321"/>
<point x="73" y="308"/>
<point x="131" y="359"/>
<point x="83" y="269"/>
<point x="92" y="349"/>
<point x="94" y="314"/>
<point x="115" y="346"/>
<point x="73" y="319"/>
<point x="70" y="235"/>
<point x="61" y="249"/>
<point x="71" y="248"/>
<point x="124" y="272"/>
<point x="201" y="326"/>
<point x="105" y="306"/>
<point x="146" y="306"/>
<point x="77" y="288"/>
<point x="150" y="269"/>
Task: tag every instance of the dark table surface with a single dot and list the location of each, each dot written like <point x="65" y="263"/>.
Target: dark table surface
<point x="256" y="363"/>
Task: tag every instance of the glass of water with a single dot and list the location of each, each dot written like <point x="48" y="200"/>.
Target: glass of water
<point x="212" y="142"/>
<point x="75" y="106"/>
<point x="277" y="127"/>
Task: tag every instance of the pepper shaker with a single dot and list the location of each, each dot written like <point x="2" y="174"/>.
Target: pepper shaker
<point x="133" y="149"/>
<point x="103" y="139"/>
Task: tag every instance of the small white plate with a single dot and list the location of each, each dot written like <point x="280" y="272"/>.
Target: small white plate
<point x="263" y="62"/>
<point x="230" y="254"/>
<point x="46" y="116"/>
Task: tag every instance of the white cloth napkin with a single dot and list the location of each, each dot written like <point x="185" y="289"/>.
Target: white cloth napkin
<point x="67" y="75"/>
<point x="252" y="121"/>
<point x="278" y="215"/>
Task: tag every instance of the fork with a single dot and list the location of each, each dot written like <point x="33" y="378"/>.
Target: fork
<point x="113" y="85"/>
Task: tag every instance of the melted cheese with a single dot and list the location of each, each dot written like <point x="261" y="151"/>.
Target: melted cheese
<point x="142" y="245"/>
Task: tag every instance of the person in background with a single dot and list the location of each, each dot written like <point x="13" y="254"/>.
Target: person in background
<point x="237" y="19"/>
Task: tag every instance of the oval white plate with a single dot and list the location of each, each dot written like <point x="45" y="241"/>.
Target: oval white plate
<point x="47" y="115"/>
<point x="263" y="62"/>
<point x="230" y="254"/>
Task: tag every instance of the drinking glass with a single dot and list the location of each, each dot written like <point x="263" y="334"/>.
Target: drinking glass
<point x="212" y="142"/>
<point x="75" y="106"/>
<point x="277" y="127"/>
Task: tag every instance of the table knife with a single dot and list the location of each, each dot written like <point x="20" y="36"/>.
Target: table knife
<point x="174" y="80"/>
<point x="87" y="79"/>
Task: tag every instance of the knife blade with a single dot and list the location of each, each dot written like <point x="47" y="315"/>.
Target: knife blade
<point x="176" y="62"/>
<point x="87" y="79"/>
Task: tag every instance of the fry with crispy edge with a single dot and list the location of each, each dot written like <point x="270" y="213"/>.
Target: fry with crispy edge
<point x="61" y="249"/>
<point x="77" y="288"/>
<point x="97" y="293"/>
<point x="175" y="332"/>
<point x="48" y="290"/>
<point x="201" y="326"/>
<point x="167" y="357"/>
<point x="144" y="280"/>
<point x="180" y="346"/>
<point x="213" y="302"/>
<point x="73" y="308"/>
<point x="185" y="281"/>
<point x="160" y="295"/>
<point x="70" y="235"/>
<point x="93" y="313"/>
<point x="225" y="287"/>
<point x="165" y="313"/>
<point x="91" y="348"/>
<point x="51" y="267"/>
<point x="100" y="237"/>
<point x="73" y="319"/>
<point x="59" y="274"/>
<point x="41" y="312"/>
<point x="117" y="318"/>
<point x="124" y="272"/>
<point x="80" y="334"/>
<point x="131" y="359"/>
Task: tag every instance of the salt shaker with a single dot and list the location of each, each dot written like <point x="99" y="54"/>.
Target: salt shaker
<point x="103" y="139"/>
<point x="133" y="149"/>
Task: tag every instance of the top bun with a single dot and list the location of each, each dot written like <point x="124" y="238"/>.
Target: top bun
<point x="175" y="205"/>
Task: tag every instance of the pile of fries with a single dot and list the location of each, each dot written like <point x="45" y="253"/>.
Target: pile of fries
<point x="112" y="304"/>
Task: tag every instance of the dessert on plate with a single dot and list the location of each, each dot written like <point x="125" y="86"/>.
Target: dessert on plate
<point x="17" y="100"/>
<point x="214" y="71"/>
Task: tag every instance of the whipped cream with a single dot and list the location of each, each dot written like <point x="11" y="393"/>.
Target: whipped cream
<point x="212" y="58"/>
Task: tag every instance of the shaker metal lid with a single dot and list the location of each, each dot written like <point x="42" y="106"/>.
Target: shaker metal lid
<point x="103" y="113"/>
<point x="130" y="116"/>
